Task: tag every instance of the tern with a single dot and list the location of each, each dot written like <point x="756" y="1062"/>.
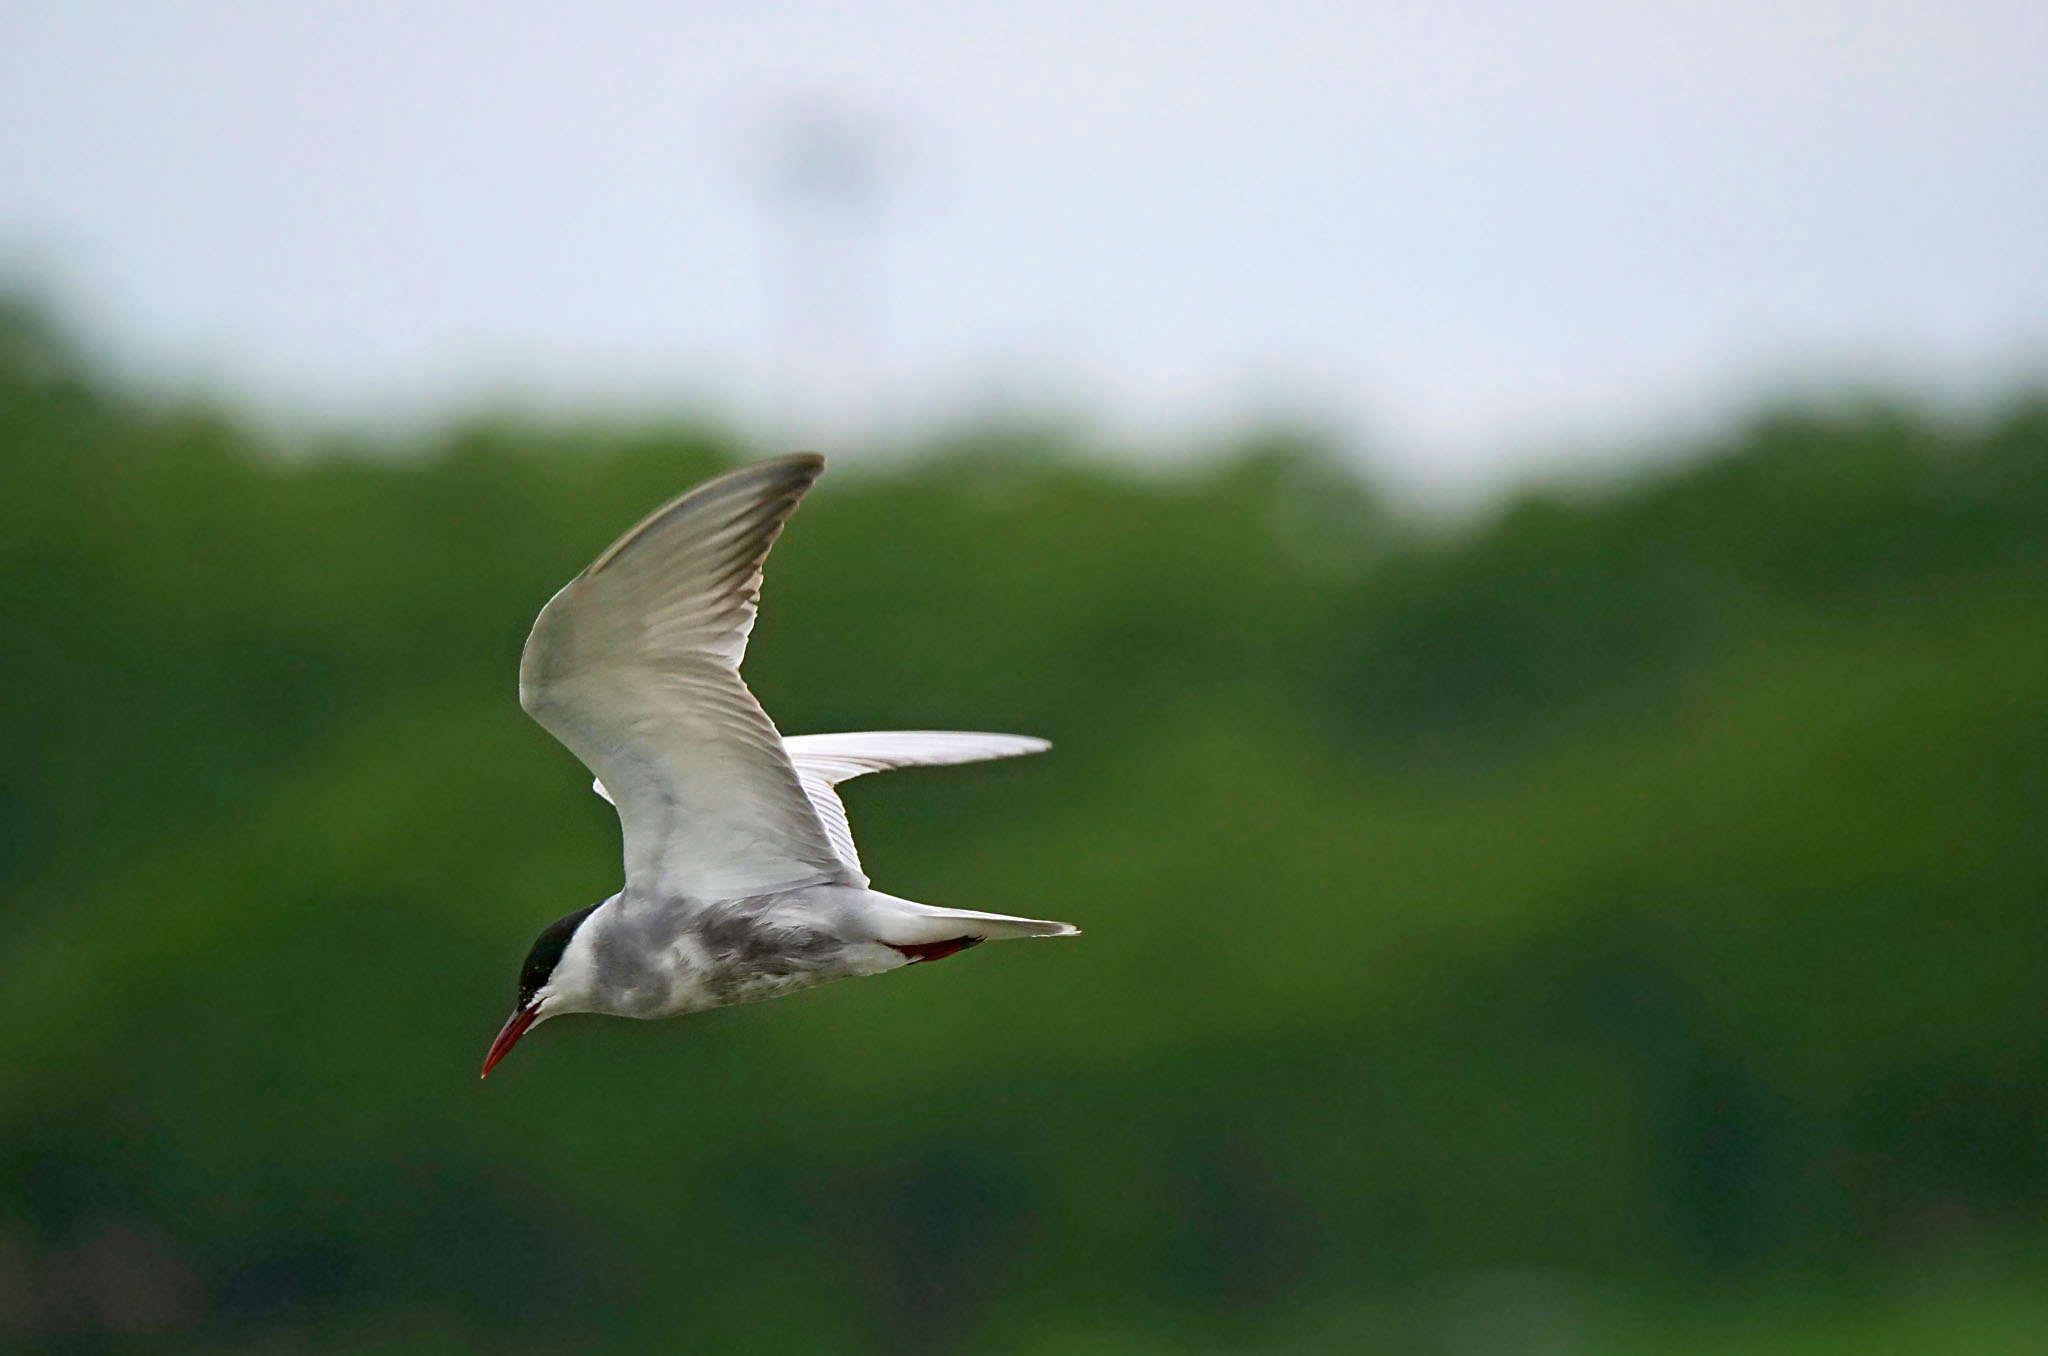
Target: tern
<point x="742" y="882"/>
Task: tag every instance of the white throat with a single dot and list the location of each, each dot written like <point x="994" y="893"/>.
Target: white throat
<point x="573" y="987"/>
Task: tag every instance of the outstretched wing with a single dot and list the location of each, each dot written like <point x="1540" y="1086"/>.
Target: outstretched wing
<point x="823" y="761"/>
<point x="635" y="667"/>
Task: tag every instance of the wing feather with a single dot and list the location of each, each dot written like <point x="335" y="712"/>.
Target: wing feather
<point x="635" y="667"/>
<point x="823" y="761"/>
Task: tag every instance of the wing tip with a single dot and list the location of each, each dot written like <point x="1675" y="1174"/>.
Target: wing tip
<point x="793" y="473"/>
<point x="997" y="744"/>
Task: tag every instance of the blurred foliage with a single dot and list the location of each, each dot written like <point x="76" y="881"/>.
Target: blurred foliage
<point x="1613" y="925"/>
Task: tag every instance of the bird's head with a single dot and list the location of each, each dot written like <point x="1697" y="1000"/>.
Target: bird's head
<point x="554" y="979"/>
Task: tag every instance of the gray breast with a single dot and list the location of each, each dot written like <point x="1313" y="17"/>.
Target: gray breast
<point x="662" y="959"/>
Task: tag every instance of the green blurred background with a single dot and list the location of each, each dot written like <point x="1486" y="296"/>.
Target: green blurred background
<point x="1610" y="923"/>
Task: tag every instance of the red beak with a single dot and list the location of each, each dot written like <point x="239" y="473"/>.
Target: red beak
<point x="515" y="1027"/>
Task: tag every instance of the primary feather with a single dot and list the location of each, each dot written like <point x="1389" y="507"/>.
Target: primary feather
<point x="635" y="666"/>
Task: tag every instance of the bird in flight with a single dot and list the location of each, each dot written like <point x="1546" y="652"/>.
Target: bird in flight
<point x="742" y="882"/>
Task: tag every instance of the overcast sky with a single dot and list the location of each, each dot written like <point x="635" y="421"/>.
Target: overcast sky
<point x="1473" y="233"/>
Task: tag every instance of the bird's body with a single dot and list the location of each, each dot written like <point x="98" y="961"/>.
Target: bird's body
<point x="665" y="958"/>
<point x="742" y="881"/>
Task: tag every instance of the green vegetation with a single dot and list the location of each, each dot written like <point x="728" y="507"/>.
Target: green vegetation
<point x="1615" y="926"/>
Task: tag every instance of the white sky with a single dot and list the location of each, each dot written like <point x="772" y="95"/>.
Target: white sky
<point x="1472" y="232"/>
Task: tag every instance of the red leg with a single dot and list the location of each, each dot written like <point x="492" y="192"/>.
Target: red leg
<point x="931" y="951"/>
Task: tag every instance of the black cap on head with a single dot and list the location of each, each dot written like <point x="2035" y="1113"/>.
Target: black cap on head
<point x="547" y="953"/>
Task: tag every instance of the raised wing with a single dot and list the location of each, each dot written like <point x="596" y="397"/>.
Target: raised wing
<point x="635" y="667"/>
<point x="823" y="761"/>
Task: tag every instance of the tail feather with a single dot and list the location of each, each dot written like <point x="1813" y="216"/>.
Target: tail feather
<point x="906" y="924"/>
